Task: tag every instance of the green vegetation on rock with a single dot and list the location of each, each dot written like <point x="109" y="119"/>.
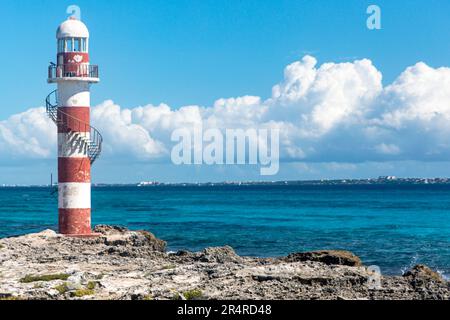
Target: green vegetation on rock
<point x="168" y="267"/>
<point x="91" y="285"/>
<point x="62" y="288"/>
<point x="10" y="298"/>
<point x="47" y="277"/>
<point x="83" y="292"/>
<point x="194" y="294"/>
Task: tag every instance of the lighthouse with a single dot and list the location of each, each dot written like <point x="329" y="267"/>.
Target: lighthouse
<point x="79" y="144"/>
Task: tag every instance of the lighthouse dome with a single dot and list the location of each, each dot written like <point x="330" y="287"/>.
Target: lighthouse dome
<point x="72" y="28"/>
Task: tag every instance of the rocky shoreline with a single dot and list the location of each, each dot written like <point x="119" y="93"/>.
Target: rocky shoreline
<point x="121" y="264"/>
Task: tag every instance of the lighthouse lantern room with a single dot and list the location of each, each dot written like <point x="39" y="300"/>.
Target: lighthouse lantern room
<point x="79" y="144"/>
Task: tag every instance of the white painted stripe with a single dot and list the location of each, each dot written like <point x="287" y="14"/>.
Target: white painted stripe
<point x="73" y="145"/>
<point x="74" y="195"/>
<point x="74" y="94"/>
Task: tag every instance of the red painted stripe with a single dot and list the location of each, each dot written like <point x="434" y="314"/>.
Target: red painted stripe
<point x="74" y="170"/>
<point x="75" y="221"/>
<point x="75" y="119"/>
<point x="69" y="57"/>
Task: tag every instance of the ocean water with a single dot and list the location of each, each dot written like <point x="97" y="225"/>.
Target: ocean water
<point x="394" y="227"/>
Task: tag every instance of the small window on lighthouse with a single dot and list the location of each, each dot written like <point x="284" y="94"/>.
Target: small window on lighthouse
<point x="77" y="45"/>
<point x="83" y="45"/>
<point x="69" y="45"/>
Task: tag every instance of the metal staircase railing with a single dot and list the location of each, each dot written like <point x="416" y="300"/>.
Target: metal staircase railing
<point x="77" y="130"/>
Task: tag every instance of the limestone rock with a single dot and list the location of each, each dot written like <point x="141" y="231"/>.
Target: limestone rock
<point x="422" y="272"/>
<point x="151" y="240"/>
<point x="109" y="230"/>
<point x="219" y="255"/>
<point x="122" y="264"/>
<point x="329" y="257"/>
<point x="121" y="236"/>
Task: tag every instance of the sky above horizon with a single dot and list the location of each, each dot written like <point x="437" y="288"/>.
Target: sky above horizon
<point x="349" y="102"/>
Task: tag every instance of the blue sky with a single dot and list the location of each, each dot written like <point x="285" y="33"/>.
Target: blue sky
<point x="193" y="52"/>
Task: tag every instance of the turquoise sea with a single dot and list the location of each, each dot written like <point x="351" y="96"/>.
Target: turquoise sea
<point x="392" y="226"/>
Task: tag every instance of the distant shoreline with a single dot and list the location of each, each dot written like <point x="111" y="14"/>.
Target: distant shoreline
<point x="389" y="180"/>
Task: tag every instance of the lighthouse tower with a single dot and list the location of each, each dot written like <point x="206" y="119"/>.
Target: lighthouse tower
<point x="79" y="144"/>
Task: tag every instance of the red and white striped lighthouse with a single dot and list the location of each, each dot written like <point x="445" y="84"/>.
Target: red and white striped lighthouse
<point x="79" y="144"/>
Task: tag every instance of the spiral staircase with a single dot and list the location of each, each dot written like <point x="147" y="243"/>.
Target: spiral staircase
<point x="82" y="136"/>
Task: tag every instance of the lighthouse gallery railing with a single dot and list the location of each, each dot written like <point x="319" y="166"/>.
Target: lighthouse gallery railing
<point x="92" y="143"/>
<point x="73" y="71"/>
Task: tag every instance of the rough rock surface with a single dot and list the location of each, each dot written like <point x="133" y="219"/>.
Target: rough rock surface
<point x="123" y="264"/>
<point x="329" y="257"/>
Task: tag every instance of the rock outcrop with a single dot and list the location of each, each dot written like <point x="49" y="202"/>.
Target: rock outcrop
<point x="124" y="264"/>
<point x="329" y="257"/>
<point x="219" y="255"/>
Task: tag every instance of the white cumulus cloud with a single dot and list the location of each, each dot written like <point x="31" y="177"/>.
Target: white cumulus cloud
<point x="30" y="134"/>
<point x="334" y="112"/>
